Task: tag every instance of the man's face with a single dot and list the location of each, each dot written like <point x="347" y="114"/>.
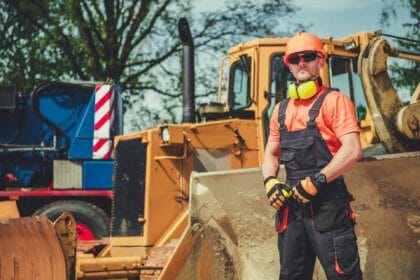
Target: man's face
<point x="303" y="70"/>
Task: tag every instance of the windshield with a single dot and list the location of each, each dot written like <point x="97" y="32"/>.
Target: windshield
<point x="239" y="84"/>
<point x="279" y="79"/>
<point x="343" y="75"/>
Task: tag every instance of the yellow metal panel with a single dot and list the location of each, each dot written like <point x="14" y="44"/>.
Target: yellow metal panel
<point x="220" y="134"/>
<point x="8" y="210"/>
<point x="163" y="188"/>
<point x="180" y="255"/>
<point x="175" y="230"/>
<point x="110" y="264"/>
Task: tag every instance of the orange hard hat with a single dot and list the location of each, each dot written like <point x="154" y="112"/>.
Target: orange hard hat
<point x="302" y="42"/>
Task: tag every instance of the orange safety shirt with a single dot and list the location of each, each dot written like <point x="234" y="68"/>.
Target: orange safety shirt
<point x="336" y="118"/>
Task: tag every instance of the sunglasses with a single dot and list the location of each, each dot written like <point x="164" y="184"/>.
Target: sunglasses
<point x="307" y="57"/>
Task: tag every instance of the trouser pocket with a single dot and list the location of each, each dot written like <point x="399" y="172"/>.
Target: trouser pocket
<point x="331" y="215"/>
<point x="346" y="255"/>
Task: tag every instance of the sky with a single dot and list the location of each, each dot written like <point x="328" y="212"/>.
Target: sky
<point x="332" y="18"/>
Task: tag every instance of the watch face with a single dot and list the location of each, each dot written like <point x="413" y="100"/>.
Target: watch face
<point x="321" y="178"/>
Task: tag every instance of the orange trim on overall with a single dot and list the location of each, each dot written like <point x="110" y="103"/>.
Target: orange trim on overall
<point x="312" y="214"/>
<point x="283" y="225"/>
<point x="338" y="268"/>
<point x="352" y="214"/>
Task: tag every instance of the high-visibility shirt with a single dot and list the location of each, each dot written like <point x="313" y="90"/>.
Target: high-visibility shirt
<point x="336" y="118"/>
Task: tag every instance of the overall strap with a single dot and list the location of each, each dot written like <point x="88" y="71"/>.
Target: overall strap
<point x="282" y="113"/>
<point x="314" y="111"/>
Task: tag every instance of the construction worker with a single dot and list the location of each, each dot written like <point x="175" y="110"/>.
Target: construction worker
<point x="315" y="133"/>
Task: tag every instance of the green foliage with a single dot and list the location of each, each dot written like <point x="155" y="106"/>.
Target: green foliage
<point x="404" y="75"/>
<point x="134" y="42"/>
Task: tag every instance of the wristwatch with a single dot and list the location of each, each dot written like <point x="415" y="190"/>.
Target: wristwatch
<point x="320" y="180"/>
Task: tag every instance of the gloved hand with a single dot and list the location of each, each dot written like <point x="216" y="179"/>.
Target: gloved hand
<point x="278" y="193"/>
<point x="305" y="190"/>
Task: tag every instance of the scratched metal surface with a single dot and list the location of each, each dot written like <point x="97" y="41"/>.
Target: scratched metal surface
<point x="29" y="249"/>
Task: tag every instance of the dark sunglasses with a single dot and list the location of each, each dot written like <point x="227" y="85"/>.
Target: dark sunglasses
<point x="307" y="57"/>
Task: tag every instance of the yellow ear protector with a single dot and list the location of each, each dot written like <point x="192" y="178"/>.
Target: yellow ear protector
<point x="304" y="90"/>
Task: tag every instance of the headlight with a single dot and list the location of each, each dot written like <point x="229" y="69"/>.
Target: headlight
<point x="164" y="132"/>
<point x="350" y="45"/>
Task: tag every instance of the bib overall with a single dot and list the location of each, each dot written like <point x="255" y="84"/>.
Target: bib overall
<point x="323" y="227"/>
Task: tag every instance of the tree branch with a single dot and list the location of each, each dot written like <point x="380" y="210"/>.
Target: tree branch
<point x="151" y="23"/>
<point x="85" y="32"/>
<point x="62" y="40"/>
<point x="93" y="21"/>
<point x="161" y="92"/>
<point x="152" y="64"/>
<point x="141" y="15"/>
<point x="167" y="71"/>
<point x="126" y="23"/>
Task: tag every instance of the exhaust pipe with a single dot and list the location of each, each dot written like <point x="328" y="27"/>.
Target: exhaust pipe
<point x="188" y="94"/>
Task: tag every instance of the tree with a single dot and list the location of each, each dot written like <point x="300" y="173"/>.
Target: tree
<point x="406" y="75"/>
<point x="133" y="42"/>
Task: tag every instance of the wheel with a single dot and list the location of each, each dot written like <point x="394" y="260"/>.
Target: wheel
<point x="91" y="221"/>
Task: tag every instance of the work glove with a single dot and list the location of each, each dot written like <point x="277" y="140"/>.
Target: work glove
<point x="278" y="193"/>
<point x="305" y="190"/>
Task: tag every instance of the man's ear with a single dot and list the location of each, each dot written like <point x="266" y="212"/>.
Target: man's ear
<point x="321" y="63"/>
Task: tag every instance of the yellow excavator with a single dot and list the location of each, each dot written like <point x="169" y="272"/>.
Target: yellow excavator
<point x="188" y="198"/>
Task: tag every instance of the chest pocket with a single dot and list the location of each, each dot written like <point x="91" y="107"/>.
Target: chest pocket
<point x="299" y="154"/>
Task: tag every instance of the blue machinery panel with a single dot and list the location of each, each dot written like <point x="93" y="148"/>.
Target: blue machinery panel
<point x="98" y="175"/>
<point x="68" y="106"/>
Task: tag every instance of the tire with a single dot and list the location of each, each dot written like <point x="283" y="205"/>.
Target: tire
<point x="85" y="213"/>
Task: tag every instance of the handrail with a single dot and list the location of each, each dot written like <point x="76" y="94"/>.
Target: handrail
<point x="219" y="91"/>
<point x="184" y="155"/>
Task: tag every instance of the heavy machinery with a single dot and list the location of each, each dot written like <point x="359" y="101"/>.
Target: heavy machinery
<point x="55" y="151"/>
<point x="187" y="198"/>
<point x="188" y="201"/>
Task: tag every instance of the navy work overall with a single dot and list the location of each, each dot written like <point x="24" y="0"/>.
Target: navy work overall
<point x="323" y="227"/>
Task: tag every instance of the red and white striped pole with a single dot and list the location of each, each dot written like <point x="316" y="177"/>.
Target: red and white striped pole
<point x="103" y="122"/>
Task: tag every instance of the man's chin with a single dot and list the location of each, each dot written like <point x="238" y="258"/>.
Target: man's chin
<point x="303" y="76"/>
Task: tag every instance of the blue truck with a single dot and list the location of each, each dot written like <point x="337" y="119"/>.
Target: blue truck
<point x="56" y="151"/>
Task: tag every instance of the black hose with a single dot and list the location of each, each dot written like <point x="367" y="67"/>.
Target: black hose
<point x="57" y="132"/>
<point x="397" y="37"/>
<point x="35" y="97"/>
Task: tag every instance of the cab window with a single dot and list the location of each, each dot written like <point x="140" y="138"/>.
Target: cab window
<point x="343" y="75"/>
<point x="280" y="77"/>
<point x="239" y="84"/>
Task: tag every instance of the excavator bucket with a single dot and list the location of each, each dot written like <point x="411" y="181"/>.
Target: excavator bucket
<point x="234" y="226"/>
<point x="30" y="249"/>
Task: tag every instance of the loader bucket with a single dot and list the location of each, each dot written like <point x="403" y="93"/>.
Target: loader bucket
<point x="235" y="232"/>
<point x="237" y="240"/>
<point x="30" y="249"/>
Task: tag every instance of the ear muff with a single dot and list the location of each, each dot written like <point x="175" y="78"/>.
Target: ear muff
<point x="304" y="90"/>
